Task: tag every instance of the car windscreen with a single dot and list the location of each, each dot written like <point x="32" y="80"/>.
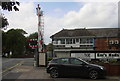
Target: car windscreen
<point x="54" y="61"/>
<point x="83" y="61"/>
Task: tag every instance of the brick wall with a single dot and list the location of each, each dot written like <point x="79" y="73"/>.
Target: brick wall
<point x="102" y="44"/>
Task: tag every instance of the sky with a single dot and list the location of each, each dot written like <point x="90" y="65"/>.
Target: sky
<point x="71" y="14"/>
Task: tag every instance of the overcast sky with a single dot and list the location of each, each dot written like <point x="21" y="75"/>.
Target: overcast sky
<point x="67" y="15"/>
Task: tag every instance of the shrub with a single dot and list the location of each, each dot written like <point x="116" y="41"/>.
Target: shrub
<point x="49" y="58"/>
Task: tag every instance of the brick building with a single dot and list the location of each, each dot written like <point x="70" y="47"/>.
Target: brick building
<point x="87" y="43"/>
<point x="107" y="44"/>
<point x="106" y="39"/>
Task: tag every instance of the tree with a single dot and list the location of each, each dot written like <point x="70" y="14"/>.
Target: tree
<point x="50" y="47"/>
<point x="4" y="22"/>
<point x="9" y="5"/>
<point x="3" y="42"/>
<point x="50" y="51"/>
<point x="35" y="36"/>
<point x="15" y="42"/>
<point x="31" y="36"/>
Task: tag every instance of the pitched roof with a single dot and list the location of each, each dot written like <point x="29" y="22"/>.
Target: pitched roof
<point x="105" y="32"/>
<point x="72" y="33"/>
<point x="98" y="32"/>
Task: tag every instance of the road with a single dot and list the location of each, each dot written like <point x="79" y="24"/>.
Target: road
<point x="9" y="63"/>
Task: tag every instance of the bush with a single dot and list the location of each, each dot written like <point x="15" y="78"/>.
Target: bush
<point x="113" y="61"/>
<point x="49" y="58"/>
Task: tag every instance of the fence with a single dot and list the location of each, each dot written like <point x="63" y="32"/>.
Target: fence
<point x="112" y="69"/>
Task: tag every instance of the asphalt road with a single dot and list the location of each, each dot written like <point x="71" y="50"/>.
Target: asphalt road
<point x="9" y="63"/>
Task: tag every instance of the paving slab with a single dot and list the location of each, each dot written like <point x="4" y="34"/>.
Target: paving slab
<point x="30" y="72"/>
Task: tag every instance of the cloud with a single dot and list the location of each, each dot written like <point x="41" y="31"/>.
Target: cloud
<point x="52" y="25"/>
<point x="90" y="15"/>
<point x="93" y="15"/>
<point x="25" y="19"/>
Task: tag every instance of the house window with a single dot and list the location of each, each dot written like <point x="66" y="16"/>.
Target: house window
<point x="90" y="40"/>
<point x="68" y="41"/>
<point x="83" y="40"/>
<point x="86" y="40"/>
<point x="62" y="41"/>
<point x="73" y="41"/>
<point x="55" y="41"/>
<point x="77" y="40"/>
<point x="59" y="41"/>
<point x="111" y="42"/>
<point x="116" y="42"/>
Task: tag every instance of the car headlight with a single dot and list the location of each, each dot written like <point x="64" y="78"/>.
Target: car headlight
<point x="101" y="68"/>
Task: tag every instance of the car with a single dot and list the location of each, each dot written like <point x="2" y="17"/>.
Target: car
<point x="71" y="66"/>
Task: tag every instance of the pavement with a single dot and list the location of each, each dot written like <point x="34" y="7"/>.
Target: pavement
<point x="33" y="72"/>
<point x="30" y="72"/>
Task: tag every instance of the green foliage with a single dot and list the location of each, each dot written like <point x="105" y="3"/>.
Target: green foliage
<point x="31" y="36"/>
<point x="4" y="22"/>
<point x="3" y="41"/>
<point x="9" y="6"/>
<point x="49" y="58"/>
<point x="14" y="40"/>
<point x="50" y="47"/>
<point x="112" y="60"/>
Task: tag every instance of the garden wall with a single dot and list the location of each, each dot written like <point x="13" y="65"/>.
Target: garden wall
<point x="112" y="69"/>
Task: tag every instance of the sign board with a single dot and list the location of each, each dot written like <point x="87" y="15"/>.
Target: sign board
<point x="96" y="55"/>
<point x="107" y="55"/>
<point x="83" y="55"/>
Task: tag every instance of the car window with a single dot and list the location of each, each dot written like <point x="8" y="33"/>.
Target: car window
<point x="75" y="61"/>
<point x="54" y="61"/>
<point x="64" y="61"/>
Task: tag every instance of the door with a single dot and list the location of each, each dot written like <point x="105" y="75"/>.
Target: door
<point x="77" y="67"/>
<point x="64" y="66"/>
